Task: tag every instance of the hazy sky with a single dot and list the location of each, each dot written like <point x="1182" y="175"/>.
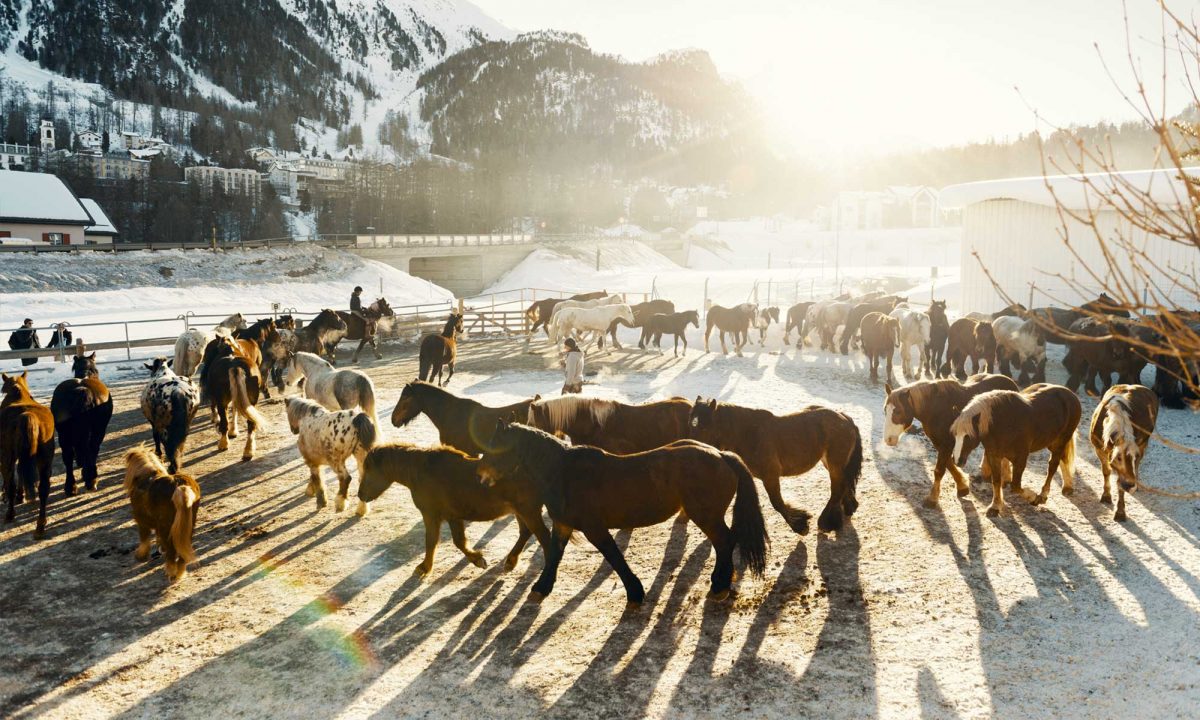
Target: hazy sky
<point x="853" y="75"/>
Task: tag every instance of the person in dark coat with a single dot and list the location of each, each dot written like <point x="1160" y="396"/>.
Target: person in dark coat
<point x="25" y="338"/>
<point x="356" y="302"/>
<point x="62" y="337"/>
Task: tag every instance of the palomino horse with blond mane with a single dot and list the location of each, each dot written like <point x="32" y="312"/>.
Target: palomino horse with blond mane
<point x="164" y="504"/>
<point x="1121" y="428"/>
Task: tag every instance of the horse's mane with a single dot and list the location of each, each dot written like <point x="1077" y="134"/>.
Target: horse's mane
<point x="562" y="411"/>
<point x="298" y="407"/>
<point x="1118" y="425"/>
<point x="984" y="406"/>
<point x="141" y="465"/>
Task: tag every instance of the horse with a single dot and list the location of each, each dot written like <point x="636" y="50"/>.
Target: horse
<point x="1014" y="310"/>
<point x="540" y="312"/>
<point x="169" y="403"/>
<point x="939" y="333"/>
<point x="914" y="333"/>
<point x="793" y="444"/>
<point x="641" y="313"/>
<point x="286" y="322"/>
<point x="1011" y="425"/>
<point x="880" y="336"/>
<point x="763" y="321"/>
<point x="232" y="384"/>
<point x="377" y="315"/>
<point x="82" y="408"/>
<point x="462" y="423"/>
<point x="613" y="299"/>
<point x="882" y="305"/>
<point x="439" y="350"/>
<point x="611" y="425"/>
<point x="445" y="487"/>
<point x="570" y="322"/>
<point x="829" y="318"/>
<point x="674" y="324"/>
<point x="1100" y="347"/>
<point x="252" y="343"/>
<point x="189" y="347"/>
<point x="1120" y="431"/>
<point x="330" y="438"/>
<point x="334" y="389"/>
<point x="735" y="320"/>
<point x="322" y="335"/>
<point x="163" y="503"/>
<point x="936" y="404"/>
<point x="796" y="315"/>
<point x="969" y="339"/>
<point x="1018" y="340"/>
<point x="26" y="447"/>
<point x="592" y="491"/>
<point x="1055" y="322"/>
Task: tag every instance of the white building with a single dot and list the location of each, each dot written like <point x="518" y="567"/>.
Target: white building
<point x="233" y="181"/>
<point x="16" y="157"/>
<point x="46" y="135"/>
<point x="90" y="140"/>
<point x="102" y="231"/>
<point x="898" y="206"/>
<point x="1015" y="227"/>
<point x="39" y="207"/>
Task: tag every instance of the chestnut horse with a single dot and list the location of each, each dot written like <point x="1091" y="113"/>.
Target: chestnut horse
<point x="82" y="407"/>
<point x="1120" y="431"/>
<point x="439" y="350"/>
<point x="26" y="448"/>
<point x="734" y="320"/>
<point x="462" y="423"/>
<point x="445" y="487"/>
<point x="589" y="490"/>
<point x="252" y="344"/>
<point x="1011" y="425"/>
<point x="880" y="336"/>
<point x="792" y="444"/>
<point x="164" y="504"/>
<point x="936" y="404"/>
<point x="969" y="339"/>
<point x="232" y="384"/>
<point x="611" y="425"/>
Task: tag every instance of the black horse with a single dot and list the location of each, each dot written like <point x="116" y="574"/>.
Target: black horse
<point x="82" y="407"/>
<point x="641" y="313"/>
<point x="939" y="333"/>
<point x="321" y="336"/>
<point x="363" y="328"/>
<point x="670" y="324"/>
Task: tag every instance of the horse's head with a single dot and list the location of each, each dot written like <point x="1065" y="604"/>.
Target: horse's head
<point x="1120" y="444"/>
<point x="298" y="409"/>
<point x="500" y="461"/>
<point x="15" y="386"/>
<point x="83" y="366"/>
<point x="968" y="428"/>
<point x="897" y="414"/>
<point x="381" y="306"/>
<point x="235" y="321"/>
<point x="455" y="323"/>
<point x="158" y="366"/>
<point x="329" y="320"/>
<point x="378" y="471"/>
<point x="625" y="313"/>
<point x="285" y="322"/>
<point x="408" y="406"/>
<point x="693" y="317"/>
<point x="702" y="418"/>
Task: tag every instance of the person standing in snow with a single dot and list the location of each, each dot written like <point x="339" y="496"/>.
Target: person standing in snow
<point x="572" y="368"/>
<point x="25" y="338"/>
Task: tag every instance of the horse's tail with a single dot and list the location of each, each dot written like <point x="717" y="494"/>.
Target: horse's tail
<point x="27" y="447"/>
<point x="749" y="530"/>
<point x="241" y="398"/>
<point x="364" y="430"/>
<point x="424" y="366"/>
<point x="184" y="498"/>
<point x="182" y="364"/>
<point x="852" y="470"/>
<point x="1067" y="464"/>
<point x="532" y="313"/>
<point x="177" y="428"/>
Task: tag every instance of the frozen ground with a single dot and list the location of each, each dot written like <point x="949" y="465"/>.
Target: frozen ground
<point x="1054" y="612"/>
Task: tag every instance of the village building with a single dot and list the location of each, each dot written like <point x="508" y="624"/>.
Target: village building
<point x="16" y="157"/>
<point x="40" y="208"/>
<point x="101" y="231"/>
<point x="233" y="181"/>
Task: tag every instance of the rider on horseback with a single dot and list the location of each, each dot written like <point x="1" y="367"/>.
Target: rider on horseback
<point x="356" y="302"/>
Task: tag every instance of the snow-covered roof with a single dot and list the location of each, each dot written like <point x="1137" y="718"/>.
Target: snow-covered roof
<point x="908" y="192"/>
<point x="102" y="226"/>
<point x="1075" y="192"/>
<point x="39" y="197"/>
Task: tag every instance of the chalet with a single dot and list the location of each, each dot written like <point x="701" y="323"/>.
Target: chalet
<point x="102" y="231"/>
<point x="90" y="140"/>
<point x="41" y="208"/>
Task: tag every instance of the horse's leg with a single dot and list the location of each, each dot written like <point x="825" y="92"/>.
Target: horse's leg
<point x="45" y="469"/>
<point x="721" y="538"/>
<point x="158" y="441"/>
<point x="675" y="349"/>
<point x="142" y="553"/>
<point x="10" y="487"/>
<point x="551" y="552"/>
<point x="459" y="533"/>
<point x="796" y="518"/>
<point x="449" y="365"/>
<point x="996" y="473"/>
<point x="1017" y="468"/>
<point x="603" y="540"/>
<point x="233" y="419"/>
<point x="251" y="443"/>
<point x="1055" y="459"/>
<point x="523" y="534"/>
<point x="1106" y="470"/>
<point x="222" y="427"/>
<point x="67" y="441"/>
<point x="375" y="347"/>
<point x="707" y="332"/>
<point x="935" y="493"/>
<point x="316" y="488"/>
<point x="357" y="350"/>
<point x="433" y="529"/>
<point x="721" y="335"/>
<point x="343" y="476"/>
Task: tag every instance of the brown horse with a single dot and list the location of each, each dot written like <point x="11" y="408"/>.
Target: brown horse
<point x="232" y="384"/>
<point x="734" y="320"/>
<point x="445" y="487"/>
<point x="26" y="448"/>
<point x="641" y="313"/>
<point x="439" y="350"/>
<point x="969" y="339"/>
<point x="796" y="315"/>
<point x="880" y="336"/>
<point x="674" y="324"/>
<point x="364" y="327"/>
<point x="462" y="423"/>
<point x="82" y="407"/>
<point x="321" y="335"/>
<point x="165" y="505"/>
<point x="589" y="490"/>
<point x="1011" y="425"/>
<point x="1121" y="428"/>
<point x="789" y="445"/>
<point x="936" y="404"/>
<point x="252" y="343"/>
<point x="939" y="333"/>
<point x="611" y="425"/>
<point x="540" y="312"/>
<point x="883" y="306"/>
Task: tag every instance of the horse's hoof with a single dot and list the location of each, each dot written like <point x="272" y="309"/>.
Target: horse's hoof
<point x="1068" y="490"/>
<point x="930" y="502"/>
<point x="1106" y="499"/>
<point x="378" y="356"/>
<point x="993" y="512"/>
<point x="510" y="563"/>
<point x="1120" y="517"/>
<point x="535" y="597"/>
<point x="310" y="491"/>
<point x="479" y="562"/>
<point x="633" y="605"/>
<point x="799" y="522"/>
<point x="339" y="503"/>
<point x="719" y="595"/>
<point x="232" y="434"/>
<point x="362" y="509"/>
<point x="247" y="458"/>
<point x="420" y="571"/>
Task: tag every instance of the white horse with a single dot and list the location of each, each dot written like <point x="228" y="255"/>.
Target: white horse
<point x="914" y="333"/>
<point x="333" y="388"/>
<point x="189" y="347"/>
<point x="572" y="321"/>
<point x="330" y="438"/>
<point x="1019" y="340"/>
<point x="598" y="302"/>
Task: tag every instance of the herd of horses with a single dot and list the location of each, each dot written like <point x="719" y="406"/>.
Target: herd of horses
<point x="591" y="465"/>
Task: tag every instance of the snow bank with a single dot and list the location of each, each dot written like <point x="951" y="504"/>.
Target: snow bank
<point x="573" y="268"/>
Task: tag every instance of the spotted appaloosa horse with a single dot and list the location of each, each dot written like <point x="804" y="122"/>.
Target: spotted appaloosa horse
<point x="169" y="403"/>
<point x="330" y="438"/>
